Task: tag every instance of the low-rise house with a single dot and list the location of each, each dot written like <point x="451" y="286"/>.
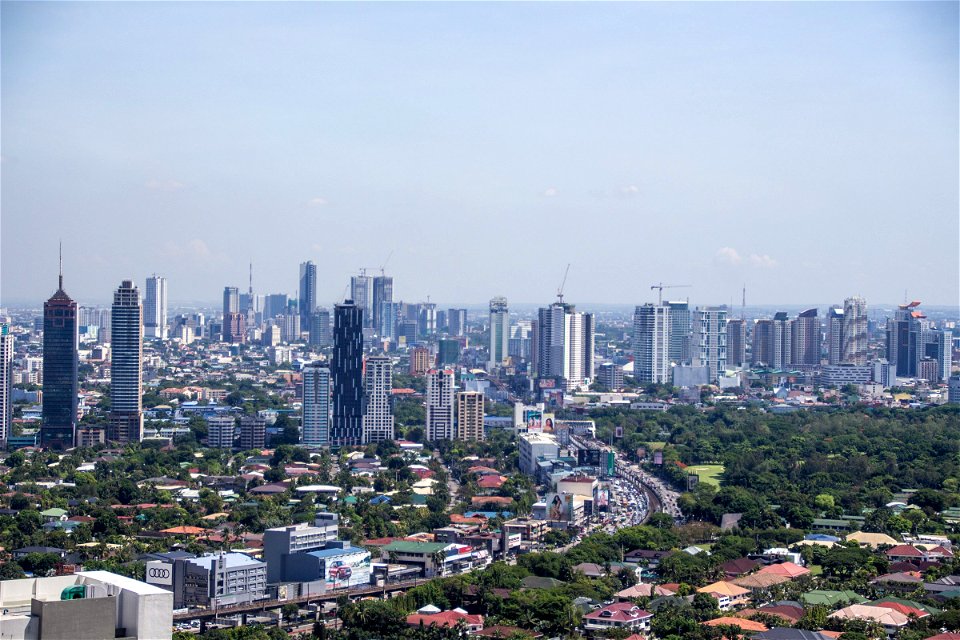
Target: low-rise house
<point x="749" y="626"/>
<point x="891" y="620"/>
<point x="452" y="618"/>
<point x="727" y="594"/>
<point x="620" y="615"/>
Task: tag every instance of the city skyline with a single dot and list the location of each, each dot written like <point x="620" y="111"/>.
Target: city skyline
<point x="784" y="145"/>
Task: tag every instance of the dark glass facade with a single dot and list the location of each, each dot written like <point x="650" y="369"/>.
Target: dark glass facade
<point x="60" y="363"/>
<point x="346" y="368"/>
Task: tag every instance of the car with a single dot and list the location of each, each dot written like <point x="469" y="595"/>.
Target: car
<point x="340" y="571"/>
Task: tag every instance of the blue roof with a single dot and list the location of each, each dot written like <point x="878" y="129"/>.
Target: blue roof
<point x="333" y="553"/>
<point x="231" y="560"/>
<point x="821" y="537"/>
<point x="381" y="500"/>
<point x="489" y="514"/>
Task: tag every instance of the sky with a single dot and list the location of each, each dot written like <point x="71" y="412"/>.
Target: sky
<point x="807" y="151"/>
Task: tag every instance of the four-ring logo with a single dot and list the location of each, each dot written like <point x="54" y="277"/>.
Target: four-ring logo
<point x="157" y="572"/>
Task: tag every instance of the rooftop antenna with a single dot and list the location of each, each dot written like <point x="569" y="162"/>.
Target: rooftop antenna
<point x="250" y="291"/>
<point x="743" y="304"/>
<point x="61" y="265"/>
<point x="563" y="284"/>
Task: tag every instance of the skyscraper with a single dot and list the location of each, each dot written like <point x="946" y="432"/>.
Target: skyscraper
<point x="389" y="316"/>
<point x="761" y="342"/>
<point x="6" y="383"/>
<point x="316" y="405"/>
<point x="427" y="319"/>
<point x="308" y="291"/>
<point x="736" y="342"/>
<point x="903" y="339"/>
<point x="440" y="405"/>
<point x="835" y="342"/>
<point x="231" y="300"/>
<point x="382" y="293"/>
<point x="651" y="343"/>
<point x="805" y="340"/>
<point x="320" y="328"/>
<point x="456" y="322"/>
<point x="60" y="365"/>
<point x="680" y="336"/>
<point x="499" y="333"/>
<point x="565" y="344"/>
<point x="126" y="417"/>
<point x="346" y="368"/>
<point x="155" y="308"/>
<point x="377" y="414"/>
<point x="855" y="331"/>
<point x="470" y="415"/>
<point x="361" y="292"/>
<point x="712" y="325"/>
<point x="781" y="351"/>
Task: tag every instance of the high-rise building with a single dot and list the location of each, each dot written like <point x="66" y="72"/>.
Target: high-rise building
<point x="781" y="350"/>
<point x="126" y="365"/>
<point x="805" y="340"/>
<point x="60" y="370"/>
<point x="953" y="390"/>
<point x="420" y="361"/>
<point x="220" y="431"/>
<point x="651" y="343"/>
<point x="610" y="375"/>
<point x="835" y="340"/>
<point x="377" y="414"/>
<point x="155" y="308"/>
<point x="456" y="322"/>
<point x="712" y="325"/>
<point x="6" y="383"/>
<point x="389" y="317"/>
<point x="905" y="339"/>
<point x="440" y="405"/>
<point x="427" y="319"/>
<point x="448" y="352"/>
<point x="231" y="300"/>
<point x="382" y="294"/>
<point x="470" y="415"/>
<point x="565" y="344"/>
<point x="499" y="333"/>
<point x="274" y="305"/>
<point x="761" y="343"/>
<point x="937" y="347"/>
<point x="346" y="367"/>
<point x="736" y="342"/>
<point x="307" y="301"/>
<point x="253" y="433"/>
<point x="854" y="331"/>
<point x="320" y="328"/>
<point x="361" y="292"/>
<point x="681" y="338"/>
<point x="316" y="405"/>
<point x="234" y="327"/>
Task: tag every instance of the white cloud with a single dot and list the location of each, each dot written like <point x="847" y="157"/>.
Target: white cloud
<point x="549" y="193"/>
<point x="728" y="255"/>
<point x="763" y="262"/>
<point x="630" y="190"/>
<point x="317" y="202"/>
<point x="164" y="185"/>
<point x="194" y="251"/>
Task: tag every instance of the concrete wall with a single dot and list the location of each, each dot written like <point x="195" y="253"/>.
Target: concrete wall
<point x="84" y="619"/>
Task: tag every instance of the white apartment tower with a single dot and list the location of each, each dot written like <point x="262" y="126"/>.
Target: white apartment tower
<point x="126" y="365"/>
<point x="835" y="335"/>
<point x="651" y="343"/>
<point x="6" y="383"/>
<point x="470" y="415"/>
<point x="377" y="414"/>
<point x="855" y="331"/>
<point x="712" y="330"/>
<point x="564" y="345"/>
<point x="316" y="405"/>
<point x="155" y="308"/>
<point x="499" y="333"/>
<point x="440" y="405"/>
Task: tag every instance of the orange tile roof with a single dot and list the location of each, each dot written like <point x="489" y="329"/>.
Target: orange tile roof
<point x="744" y="624"/>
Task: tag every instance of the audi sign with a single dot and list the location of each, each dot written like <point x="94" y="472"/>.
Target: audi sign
<point x="159" y="572"/>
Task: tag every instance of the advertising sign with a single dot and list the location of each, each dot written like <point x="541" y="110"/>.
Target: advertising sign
<point x="619" y="432"/>
<point x="658" y="457"/>
<point x="534" y="420"/>
<point x="348" y="570"/>
<point x="548" y="423"/>
<point x="160" y="573"/>
<point x="611" y="463"/>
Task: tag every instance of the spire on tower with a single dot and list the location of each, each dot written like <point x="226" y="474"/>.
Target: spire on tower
<point x="61" y="265"/>
<point x="250" y="291"/>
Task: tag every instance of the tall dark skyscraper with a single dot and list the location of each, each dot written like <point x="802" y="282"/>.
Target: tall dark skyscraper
<point x="346" y="368"/>
<point x="320" y="328"/>
<point x="308" y="291"/>
<point x="60" y="363"/>
<point x="126" y="326"/>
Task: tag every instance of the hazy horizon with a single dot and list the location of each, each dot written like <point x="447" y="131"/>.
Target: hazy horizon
<point x="806" y="150"/>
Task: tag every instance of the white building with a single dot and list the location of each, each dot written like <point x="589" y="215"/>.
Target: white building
<point x="712" y="325"/>
<point x="534" y="446"/>
<point x="6" y="383"/>
<point x="470" y="415"/>
<point x="377" y="414"/>
<point x="440" y="405"/>
<point x="854" y="331"/>
<point x="220" y="431"/>
<point x="155" y="308"/>
<point x="316" y="405"/>
<point x="564" y="345"/>
<point x="499" y="333"/>
<point x="651" y="343"/>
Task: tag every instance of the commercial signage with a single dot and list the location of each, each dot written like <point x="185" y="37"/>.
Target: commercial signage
<point x="348" y="570"/>
<point x="159" y="572"/>
<point x="534" y="420"/>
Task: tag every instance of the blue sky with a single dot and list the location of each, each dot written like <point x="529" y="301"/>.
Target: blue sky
<point x="808" y="150"/>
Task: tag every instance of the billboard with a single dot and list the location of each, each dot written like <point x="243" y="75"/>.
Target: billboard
<point x="533" y="418"/>
<point x="348" y="569"/>
<point x="611" y="463"/>
<point x="588" y="457"/>
<point x="619" y="432"/>
<point x="548" y="423"/>
<point x="160" y="573"/>
<point x="658" y="457"/>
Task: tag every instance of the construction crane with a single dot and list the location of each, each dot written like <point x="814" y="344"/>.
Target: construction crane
<point x="660" y="287"/>
<point x="384" y="265"/>
<point x="563" y="283"/>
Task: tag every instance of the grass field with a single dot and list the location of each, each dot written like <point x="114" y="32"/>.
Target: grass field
<point x="709" y="473"/>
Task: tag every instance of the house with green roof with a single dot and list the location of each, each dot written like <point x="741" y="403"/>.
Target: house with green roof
<point x="832" y="598"/>
<point x="53" y="514"/>
<point x="428" y="556"/>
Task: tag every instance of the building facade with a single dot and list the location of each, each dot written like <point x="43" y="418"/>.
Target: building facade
<point x="712" y="324"/>
<point x="126" y="365"/>
<point x="377" y="412"/>
<point x="470" y="415"/>
<point x="499" y="333"/>
<point x="736" y="342"/>
<point x="805" y="340"/>
<point x="564" y="345"/>
<point x="60" y="371"/>
<point x="316" y="405"/>
<point x="835" y="335"/>
<point x="651" y="343"/>
<point x="346" y="369"/>
<point x="440" y="404"/>
<point x="155" y="308"/>
<point x="6" y="383"/>
<point x="382" y="295"/>
<point x="307" y="302"/>
<point x="854" y="331"/>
